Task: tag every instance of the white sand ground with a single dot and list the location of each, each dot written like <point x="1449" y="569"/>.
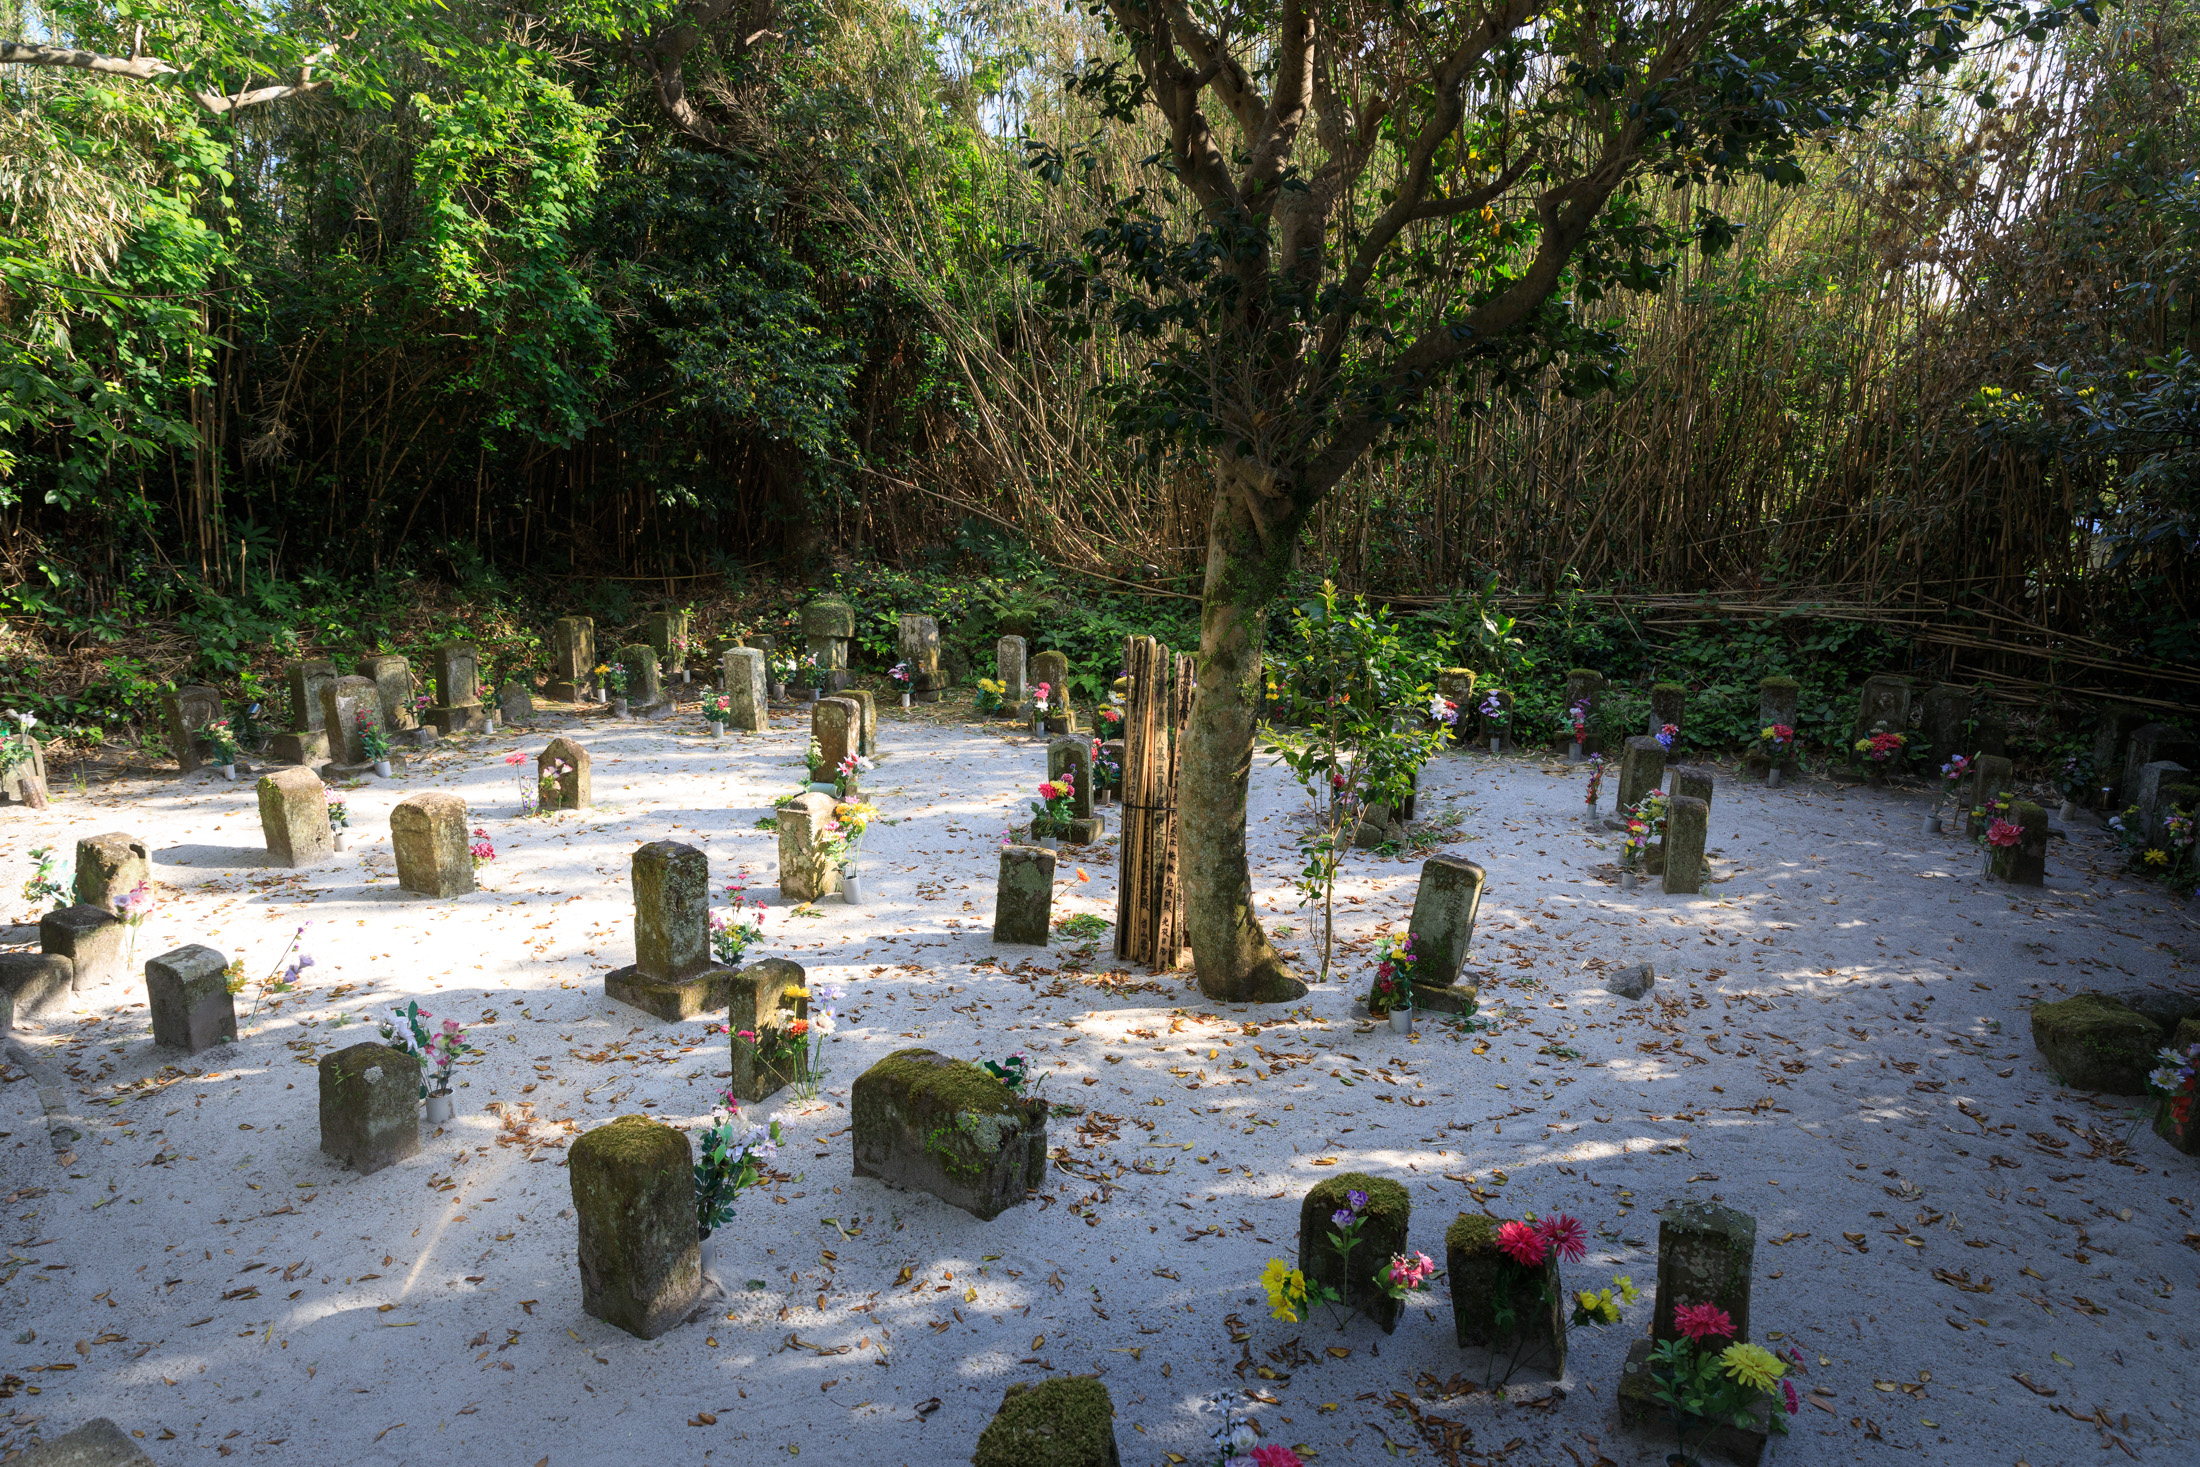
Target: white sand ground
<point x="1837" y="1044"/>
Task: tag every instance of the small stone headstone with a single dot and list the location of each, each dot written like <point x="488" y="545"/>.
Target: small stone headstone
<point x="2164" y="785"/>
<point x="187" y="711"/>
<point x="1445" y="905"/>
<point x="1991" y="777"/>
<point x="1051" y="668"/>
<point x="306" y="740"/>
<point x="109" y="866"/>
<point x="673" y="976"/>
<point x="294" y="818"/>
<point x="1073" y="756"/>
<point x="932" y="1124"/>
<point x="1706" y="1254"/>
<point x="188" y="994"/>
<point x="2111" y="737"/>
<point x="804" y="873"/>
<point x="575" y="788"/>
<point x="1884" y="699"/>
<point x="667" y="635"/>
<point x="1382" y="1233"/>
<point x="393" y="689"/>
<point x="457" y="707"/>
<point x="1944" y="716"/>
<point x="1065" y="1421"/>
<point x="1696" y="781"/>
<point x="1478" y="1272"/>
<point x="644" y="686"/>
<point x="920" y="649"/>
<point x="515" y="705"/>
<point x="1023" y="905"/>
<point x="572" y="658"/>
<point x="1493" y="728"/>
<point x="1008" y="669"/>
<point x="1641" y="770"/>
<point x="2025" y="863"/>
<point x="640" y="1251"/>
<point x="94" y="940"/>
<point x="1687" y="827"/>
<point x="27" y="785"/>
<point x="2156" y="743"/>
<point x="867" y="703"/>
<point x="350" y="706"/>
<point x="1668" y="704"/>
<point x="32" y="983"/>
<point x="370" y="1106"/>
<point x="836" y="727"/>
<point x="765" y="999"/>
<point x="1584" y="685"/>
<point x="828" y="625"/>
<point x="742" y="673"/>
<point x="429" y="834"/>
<point x="1632" y="981"/>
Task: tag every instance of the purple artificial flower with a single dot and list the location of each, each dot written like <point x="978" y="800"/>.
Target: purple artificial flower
<point x="1357" y="1198"/>
<point x="1342" y="1218"/>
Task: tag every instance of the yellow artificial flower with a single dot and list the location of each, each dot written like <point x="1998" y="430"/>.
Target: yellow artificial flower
<point x="2157" y="857"/>
<point x="1753" y="1365"/>
<point x="1862" y="745"/>
<point x="795" y="992"/>
<point x="603" y="667"/>
<point x="1286" y="1288"/>
<point x="1626" y="1287"/>
<point x="1596" y="1304"/>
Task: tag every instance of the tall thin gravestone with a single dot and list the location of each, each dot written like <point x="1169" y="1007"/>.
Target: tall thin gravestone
<point x="1943" y="724"/>
<point x="1641" y="770"/>
<point x="1008" y="667"/>
<point x="306" y="740"/>
<point x="829" y="625"/>
<point x="349" y="707"/>
<point x="1668" y="705"/>
<point x="836" y="727"/>
<point x="1584" y="690"/>
<point x="393" y="684"/>
<point x="920" y="652"/>
<point x="457" y="707"/>
<point x="743" y="674"/>
<point x="1072" y="755"/>
<point x="572" y="658"/>
<point x="1445" y="905"/>
<point x="805" y="874"/>
<point x="1991" y="777"/>
<point x="867" y="705"/>
<point x="188" y="710"/>
<point x="667" y="634"/>
<point x="673" y="975"/>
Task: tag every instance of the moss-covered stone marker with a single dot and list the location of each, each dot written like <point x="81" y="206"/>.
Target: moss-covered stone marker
<point x="1358" y="1278"/>
<point x="1641" y="770"/>
<point x="370" y="1106"/>
<point x="428" y="834"/>
<point x="765" y="999"/>
<point x="1584" y="686"/>
<point x="672" y="976"/>
<point x="1484" y="1280"/>
<point x="110" y="866"/>
<point x="294" y="818"/>
<point x="1779" y="700"/>
<point x="1706" y="1255"/>
<point x="804" y="873"/>
<point x="33" y="983"/>
<point x="1884" y="699"/>
<point x="641" y="1257"/>
<point x="1066" y="1422"/>
<point x="742" y="675"/>
<point x="1023" y="899"/>
<point x="349" y="707"/>
<point x="2025" y="863"/>
<point x="188" y="995"/>
<point x="1445" y="905"/>
<point x="2095" y="1042"/>
<point x="932" y="1124"/>
<point x="575" y="789"/>
<point x="572" y="658"/>
<point x="94" y="940"/>
<point x="919" y="646"/>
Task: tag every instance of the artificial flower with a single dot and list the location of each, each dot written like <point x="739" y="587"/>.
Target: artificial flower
<point x="2002" y="833"/>
<point x="1565" y="1236"/>
<point x="1523" y="1244"/>
<point x="1700" y="1322"/>
<point x="1752" y="1365"/>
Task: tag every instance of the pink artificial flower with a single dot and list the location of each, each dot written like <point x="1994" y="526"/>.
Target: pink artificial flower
<point x="1522" y="1244"/>
<point x="2002" y="833"/>
<point x="1787" y="1389"/>
<point x="1274" y="1454"/>
<point x="1700" y="1322"/>
<point x="1566" y="1238"/>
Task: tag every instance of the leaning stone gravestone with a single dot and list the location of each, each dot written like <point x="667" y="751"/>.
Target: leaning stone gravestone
<point x="640" y="1250"/>
<point x="932" y="1124"/>
<point x="27" y="785"/>
<point x="804" y="873"/>
<point x="294" y="817"/>
<point x="572" y="658"/>
<point x="1641" y="770"/>
<point x="93" y="939"/>
<point x="110" y="866"/>
<point x="393" y="688"/>
<point x="457" y="707"/>
<point x="1382" y="1233"/>
<point x="349" y="706"/>
<point x="1479" y="1275"/>
<point x="428" y="835"/>
<point x="575" y="788"/>
<point x="1023" y="903"/>
<point x="743" y="677"/>
<point x="1066" y="1421"/>
<point x="673" y="976"/>
<point x="1442" y="927"/>
<point x="370" y="1106"/>
<point x="187" y="991"/>
<point x="306" y="740"/>
<point x="920" y="649"/>
<point x="187" y="711"/>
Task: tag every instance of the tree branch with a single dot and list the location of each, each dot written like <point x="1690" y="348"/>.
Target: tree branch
<point x="152" y="68"/>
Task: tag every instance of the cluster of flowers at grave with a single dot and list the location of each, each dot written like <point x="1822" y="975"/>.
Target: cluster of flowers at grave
<point x="735" y="930"/>
<point x="613" y="677"/>
<point x="1705" y="1385"/>
<point x="1494" y="712"/>
<point x="221" y="741"/>
<point x="717" y="708"/>
<point x="1596" y="780"/>
<point x="1443" y="712"/>
<point x="1667" y="733"/>
<point x="1393" y="986"/>
<point x="1052" y="812"/>
<point x="1645" y="823"/>
<point x="1775" y="740"/>
<point x="339" y="813"/>
<point x="1013" y="1073"/>
<point x="992" y="692"/>
<point x="284" y="977"/>
<point x="899" y="672"/>
<point x="16" y="748"/>
<point x="1040" y="694"/>
<point x="840" y="843"/>
<point x="1107" y="771"/>
<point x="439" y="1048"/>
<point x="374" y="743"/>
<point x="1236" y="1441"/>
<point x="2176" y="1081"/>
<point x="481" y="849"/>
<point x="852" y="768"/>
<point x="1574" y="722"/>
<point x="784" y="669"/>
<point x="44" y="884"/>
<point x="1883" y="746"/>
<point x="729" y="1160"/>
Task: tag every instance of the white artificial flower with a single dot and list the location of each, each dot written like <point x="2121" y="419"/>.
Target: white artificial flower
<point x="824" y="1021"/>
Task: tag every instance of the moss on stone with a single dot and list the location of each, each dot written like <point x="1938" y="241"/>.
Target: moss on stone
<point x="951" y="1084"/>
<point x="2188" y="1034"/>
<point x="1472" y="1232"/>
<point x="2095" y="1042"/>
<point x="1382" y="1232"/>
<point x="1068" y="1422"/>
<point x="1785" y="684"/>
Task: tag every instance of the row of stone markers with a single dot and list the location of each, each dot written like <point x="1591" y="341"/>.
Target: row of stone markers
<point x="1677" y="857"/>
<point x="1021" y="679"/>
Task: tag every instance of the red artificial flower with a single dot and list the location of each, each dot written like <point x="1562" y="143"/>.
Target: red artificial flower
<point x="1566" y="1237"/>
<point x="2002" y="833"/>
<point x="1522" y="1244"/>
<point x="1702" y="1322"/>
<point x="1274" y="1455"/>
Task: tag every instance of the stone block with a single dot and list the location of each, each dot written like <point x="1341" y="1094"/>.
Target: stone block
<point x="2155" y="779"/>
<point x="188" y="994"/>
<point x="393" y="689"/>
<point x="644" y="685"/>
<point x="1583" y="685"/>
<point x="671" y="910"/>
<point x="2151" y="743"/>
<point x="1073" y="756"/>
<point x="667" y="635"/>
<point x="867" y="719"/>
<point x="1687" y="826"/>
<point x="515" y="705"/>
<point x="932" y="1124"/>
<point x="1485" y="1283"/>
<point x="1944" y="723"/>
<point x="828" y="618"/>
<point x="1991" y="777"/>
<point x="919" y="645"/>
<point x="1641" y="770"/>
<point x="1706" y="1255"/>
<point x="1066" y="1421"/>
<point x="1668" y="704"/>
<point x="1445" y="905"/>
<point x="572" y="657"/>
<point x="186" y="711"/>
<point x="1085" y="832"/>
<point x="766" y="999"/>
<point x="1062" y="721"/>
<point x="836" y="727"/>
<point x="674" y="1000"/>
<point x="457" y="672"/>
<point x="349" y="707"/>
<point x="1640" y="1410"/>
<point x="1008" y="668"/>
<point x="428" y="833"/>
<point x="1633" y="981"/>
<point x="1779" y="700"/>
<point x="294" y="818"/>
<point x="2025" y="863"/>
<point x="2095" y="1042"/>
<point x="743" y="674"/>
<point x="370" y="1106"/>
<point x="97" y="1443"/>
<point x="110" y="866"/>
<point x="1388" y="1212"/>
<point x="309" y="749"/>
<point x="1696" y="781"/>
<point x="27" y="785"/>
<point x="1486" y="727"/>
<point x="1023" y="903"/>
<point x="1051" y="668"/>
<point x="641" y="1257"/>
<point x="2111" y="738"/>
<point x="804" y="873"/>
<point x="93" y="939"/>
<point x="305" y="681"/>
<point x="576" y="789"/>
<point x="34" y="983"/>
<point x="1884" y="699"/>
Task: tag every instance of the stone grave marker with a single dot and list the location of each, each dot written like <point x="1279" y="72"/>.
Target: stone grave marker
<point x="1445" y="905"/>
<point x="804" y="873"/>
<point x="1537" y="1331"/>
<point x="644" y="687"/>
<point x="2111" y="737"/>
<point x="1779" y="700"/>
<point x="641" y="1257"/>
<point x="2154" y="743"/>
<point x="93" y="939"/>
<point x="572" y="658"/>
<point x="1583" y="685"/>
<point x="370" y="1106"/>
<point x="350" y="705"/>
<point x="765" y="999"/>
<point x="306" y="740"/>
<point x="457" y="707"/>
<point x="428" y="833"/>
<point x="1884" y="699"/>
<point x="1991" y="776"/>
<point x="742" y="671"/>
<point x="932" y="1124"/>
<point x="1072" y="755"/>
<point x="920" y="649"/>
<point x="188" y="994"/>
<point x="836" y="727"/>
<point x="867" y="703"/>
<point x="1668" y="704"/>
<point x="1382" y="1233"/>
<point x="1943" y="723"/>
<point x="1487" y="728"/>
<point x="1065" y="1421"/>
<point x="667" y="634"/>
<point x="2097" y="1041"/>
<point x="294" y="818"/>
<point x="1687" y="824"/>
<point x="27" y="785"/>
<point x="187" y="710"/>
<point x="2025" y="863"/>
<point x="828" y="625"/>
<point x="1706" y="1255"/>
<point x="393" y="686"/>
<point x="673" y="976"/>
<point x="1051" y="668"/>
<point x="575" y="788"/>
<point x="1023" y="903"/>
<point x="33" y="983"/>
<point x="1008" y="669"/>
<point x="2160" y="787"/>
<point x="1641" y="770"/>
<point x="515" y="705"/>
<point x="110" y="866"/>
<point x="1697" y="781"/>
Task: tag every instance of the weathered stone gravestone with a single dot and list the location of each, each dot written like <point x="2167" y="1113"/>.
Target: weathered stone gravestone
<point x="742" y="674"/>
<point x="33" y="983"/>
<point x="188" y="993"/>
<point x="109" y="866"/>
<point x="1641" y="770"/>
<point x="1008" y="669"/>
<point x="93" y="939"/>
<point x="2154" y="743"/>
<point x="672" y="976"/>
<point x="2097" y="1042"/>
<point x="1779" y="701"/>
<point x="1382" y="1233"/>
<point x="370" y="1106"/>
<point x="1668" y="704"/>
<point x="836" y="727"/>
<point x="1696" y="781"/>
<point x="1687" y="826"/>
<point x="1706" y="1254"/>
<point x="393" y="688"/>
<point x="867" y="703"/>
<point x="1051" y="668"/>
<point x="644" y="687"/>
<point x="575" y="787"/>
<point x="572" y="658"/>
<point x="2163" y="785"/>
<point x="349" y="707"/>
<point x="828" y="625"/>
<point x="2111" y="737"/>
<point x="428" y="833"/>
<point x="1067" y="1421"/>
<point x="1445" y="905"/>
<point x="1991" y="777"/>
<point x="1023" y="902"/>
<point x="457" y="708"/>
<point x="667" y="635"/>
<point x="2025" y="863"/>
<point x="1884" y="699"/>
<point x="641" y="1257"/>
<point x="766" y="999"/>
<point x="27" y="784"/>
<point x="187" y="711"/>
<point x="932" y="1124"/>
<point x="306" y="740"/>
<point x="1072" y="755"/>
<point x="1943" y="722"/>
<point x="805" y="875"/>
<point x="294" y="817"/>
<point x="515" y="705"/>
<point x="1478" y="1272"/>
<point x="1584" y="686"/>
<point x="920" y="650"/>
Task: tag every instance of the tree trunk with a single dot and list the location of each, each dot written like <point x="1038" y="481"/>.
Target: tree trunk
<point x="1233" y="958"/>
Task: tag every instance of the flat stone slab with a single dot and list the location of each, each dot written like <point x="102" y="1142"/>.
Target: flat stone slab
<point x="670" y="999"/>
<point x="932" y="1124"/>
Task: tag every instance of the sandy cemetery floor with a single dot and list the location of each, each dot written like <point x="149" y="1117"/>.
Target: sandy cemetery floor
<point x="1978" y="1267"/>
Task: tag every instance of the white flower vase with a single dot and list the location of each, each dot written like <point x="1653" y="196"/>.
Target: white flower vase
<point x="489" y="723"/>
<point x="1497" y="746"/>
<point x="905" y="700"/>
<point x="1401" y="1021"/>
<point x="1772" y="778"/>
<point x="1627" y="880"/>
<point x="229" y="772"/>
<point x="1574" y="755"/>
<point x="851" y="888"/>
<point x="1932" y="823"/>
<point x="709" y="1246"/>
<point x="382" y="768"/>
<point x="717" y="729"/>
<point x="440" y="1109"/>
<point x="343" y="840"/>
<point x="2068" y="812"/>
